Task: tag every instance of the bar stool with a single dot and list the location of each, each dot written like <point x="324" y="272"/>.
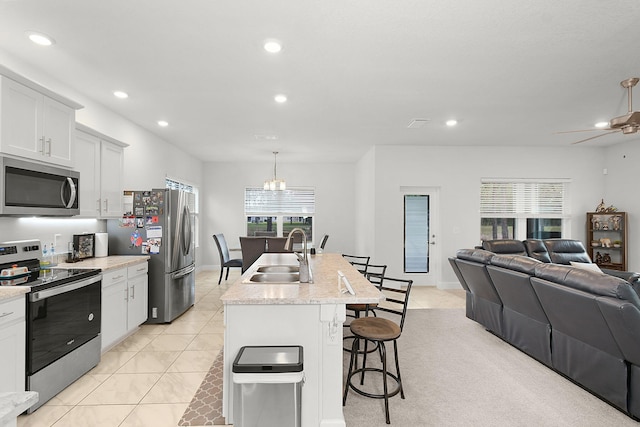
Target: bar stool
<point x="359" y="262"/>
<point x="379" y="331"/>
<point x="375" y="275"/>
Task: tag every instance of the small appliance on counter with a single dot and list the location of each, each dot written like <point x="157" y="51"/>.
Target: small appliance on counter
<point x="83" y="247"/>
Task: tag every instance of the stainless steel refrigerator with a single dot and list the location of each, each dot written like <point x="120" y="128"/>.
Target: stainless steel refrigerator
<point x="159" y="223"/>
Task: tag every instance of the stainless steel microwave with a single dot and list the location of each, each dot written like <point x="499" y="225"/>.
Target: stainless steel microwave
<point x="28" y="188"/>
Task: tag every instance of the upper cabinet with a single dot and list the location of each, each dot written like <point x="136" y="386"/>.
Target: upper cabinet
<point x="100" y="161"/>
<point x="35" y="123"/>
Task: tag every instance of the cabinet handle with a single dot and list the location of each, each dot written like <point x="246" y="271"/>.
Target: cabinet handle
<point x="6" y="314"/>
<point x="117" y="277"/>
<point x="49" y="141"/>
<point x="42" y="149"/>
<point x="133" y="292"/>
<point x="106" y="205"/>
<point x="126" y="293"/>
<point x="98" y="205"/>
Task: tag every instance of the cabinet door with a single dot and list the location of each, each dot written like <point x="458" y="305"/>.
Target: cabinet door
<point x="138" y="301"/>
<point x="12" y="357"/>
<point x="20" y="121"/>
<point x="112" y="163"/>
<point x="88" y="164"/>
<point x="58" y="128"/>
<point x="114" y="308"/>
<point x="12" y="345"/>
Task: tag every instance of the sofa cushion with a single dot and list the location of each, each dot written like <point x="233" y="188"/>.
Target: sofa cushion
<point x="505" y="246"/>
<point x="600" y="284"/>
<point x="537" y="250"/>
<point x="563" y="251"/>
<point x="477" y="255"/>
<point x="519" y="263"/>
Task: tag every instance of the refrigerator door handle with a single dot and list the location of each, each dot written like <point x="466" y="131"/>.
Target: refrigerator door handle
<point x="186" y="230"/>
<point x="182" y="273"/>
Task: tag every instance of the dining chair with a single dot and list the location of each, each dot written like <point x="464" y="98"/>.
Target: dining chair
<point x="252" y="248"/>
<point x="359" y="262"/>
<point x="276" y="244"/>
<point x="379" y="331"/>
<point x="324" y="241"/>
<point x="225" y="259"/>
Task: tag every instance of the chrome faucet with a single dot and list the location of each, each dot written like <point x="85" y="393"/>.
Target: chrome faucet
<point x="305" y="270"/>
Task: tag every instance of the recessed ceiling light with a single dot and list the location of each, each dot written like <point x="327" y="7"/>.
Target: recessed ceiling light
<point x="601" y="124"/>
<point x="451" y="122"/>
<point x="272" y="46"/>
<point x="40" y="38"/>
<point x="163" y="123"/>
<point x="280" y="98"/>
<point x="120" y="94"/>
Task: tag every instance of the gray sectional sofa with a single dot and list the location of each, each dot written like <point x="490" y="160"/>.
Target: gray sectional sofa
<point x="582" y="323"/>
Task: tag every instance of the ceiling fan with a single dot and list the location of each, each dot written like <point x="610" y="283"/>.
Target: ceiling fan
<point x="628" y="123"/>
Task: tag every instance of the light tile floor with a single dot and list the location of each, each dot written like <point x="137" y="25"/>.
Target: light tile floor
<point x="150" y="378"/>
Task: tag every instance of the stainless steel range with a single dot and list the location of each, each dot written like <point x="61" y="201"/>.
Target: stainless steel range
<point x="63" y="318"/>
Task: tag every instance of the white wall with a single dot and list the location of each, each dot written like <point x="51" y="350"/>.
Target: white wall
<point x="147" y="160"/>
<point x="457" y="172"/>
<point x="364" y="220"/>
<point x="623" y="165"/>
<point x="223" y="198"/>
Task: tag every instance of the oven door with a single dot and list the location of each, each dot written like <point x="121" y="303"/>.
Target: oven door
<point x="61" y="319"/>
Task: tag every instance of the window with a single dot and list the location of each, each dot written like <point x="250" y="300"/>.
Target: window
<point x="523" y="209"/>
<point x="276" y="213"/>
<point x="416" y="233"/>
<point x="195" y="209"/>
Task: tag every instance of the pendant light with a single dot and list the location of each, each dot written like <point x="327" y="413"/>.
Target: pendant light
<point x="275" y="183"/>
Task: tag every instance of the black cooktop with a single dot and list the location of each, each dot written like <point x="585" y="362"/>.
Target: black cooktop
<point x="38" y="279"/>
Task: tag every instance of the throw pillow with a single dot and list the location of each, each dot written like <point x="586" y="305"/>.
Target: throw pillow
<point x="586" y="266"/>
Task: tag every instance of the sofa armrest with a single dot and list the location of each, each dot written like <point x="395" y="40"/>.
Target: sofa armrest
<point x="630" y="276"/>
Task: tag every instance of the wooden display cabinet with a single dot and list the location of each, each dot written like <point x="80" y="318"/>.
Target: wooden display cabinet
<point x="607" y="239"/>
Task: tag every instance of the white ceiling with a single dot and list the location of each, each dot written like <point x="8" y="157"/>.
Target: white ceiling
<point x="355" y="72"/>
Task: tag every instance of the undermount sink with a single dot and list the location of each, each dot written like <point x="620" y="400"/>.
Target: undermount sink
<point x="275" y="278"/>
<point x="278" y="269"/>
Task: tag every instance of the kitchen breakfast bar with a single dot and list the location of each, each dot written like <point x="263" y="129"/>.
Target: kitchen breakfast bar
<point x="281" y="313"/>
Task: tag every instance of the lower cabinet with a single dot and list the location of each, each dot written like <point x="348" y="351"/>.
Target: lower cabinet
<point x="12" y="344"/>
<point x="124" y="302"/>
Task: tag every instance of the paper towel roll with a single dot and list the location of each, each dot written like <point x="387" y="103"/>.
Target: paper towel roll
<point x="102" y="244"/>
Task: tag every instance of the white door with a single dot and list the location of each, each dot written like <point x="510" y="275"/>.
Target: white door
<point x="421" y="257"/>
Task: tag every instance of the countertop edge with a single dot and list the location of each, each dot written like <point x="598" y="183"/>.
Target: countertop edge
<point x="111" y="262"/>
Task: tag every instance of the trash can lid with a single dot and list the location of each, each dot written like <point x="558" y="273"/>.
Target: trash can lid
<point x="266" y="359"/>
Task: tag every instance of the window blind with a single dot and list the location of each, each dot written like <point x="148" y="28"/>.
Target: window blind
<point x="295" y="201"/>
<point x="522" y="199"/>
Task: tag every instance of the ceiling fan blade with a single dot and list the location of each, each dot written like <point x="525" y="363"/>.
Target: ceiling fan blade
<point x="581" y="130"/>
<point x="594" y="137"/>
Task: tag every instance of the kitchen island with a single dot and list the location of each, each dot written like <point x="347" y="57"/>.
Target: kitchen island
<point x="306" y="314"/>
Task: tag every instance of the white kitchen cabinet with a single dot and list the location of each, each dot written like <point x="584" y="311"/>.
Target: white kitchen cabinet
<point x="100" y="161"/>
<point x="138" y="303"/>
<point x="12" y="344"/>
<point x="113" y="324"/>
<point x="34" y="125"/>
<point x="124" y="302"/>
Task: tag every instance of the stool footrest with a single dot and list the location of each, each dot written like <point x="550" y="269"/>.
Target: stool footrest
<point x="373" y="395"/>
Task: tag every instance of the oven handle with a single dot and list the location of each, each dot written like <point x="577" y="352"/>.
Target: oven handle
<point x="40" y="295"/>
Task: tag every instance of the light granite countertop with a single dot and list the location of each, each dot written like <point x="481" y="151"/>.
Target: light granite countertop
<point x="112" y="262"/>
<point x="324" y="289"/>
<point x="9" y="292"/>
<point x="13" y="404"/>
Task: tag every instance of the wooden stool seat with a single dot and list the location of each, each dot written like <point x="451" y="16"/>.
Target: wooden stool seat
<point x="361" y="307"/>
<point x="375" y="329"/>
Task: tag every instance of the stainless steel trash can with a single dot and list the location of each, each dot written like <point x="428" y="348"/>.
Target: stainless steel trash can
<point x="267" y="386"/>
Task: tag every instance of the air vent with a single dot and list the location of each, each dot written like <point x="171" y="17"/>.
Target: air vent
<point x="417" y="123"/>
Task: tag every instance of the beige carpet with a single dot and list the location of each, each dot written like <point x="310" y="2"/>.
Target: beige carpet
<point x="455" y="374"/>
